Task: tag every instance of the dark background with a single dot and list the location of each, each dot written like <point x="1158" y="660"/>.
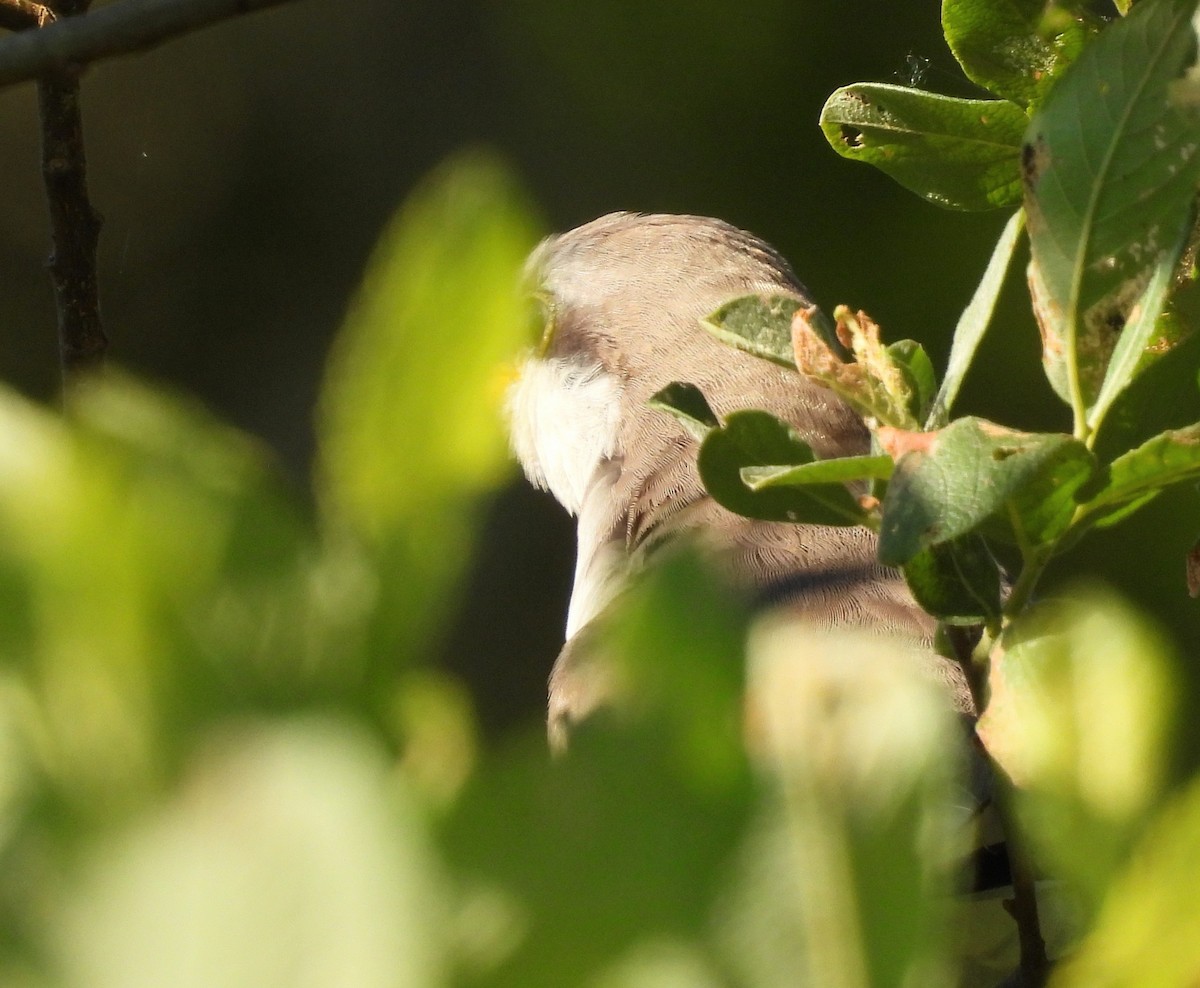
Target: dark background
<point x="245" y="171"/>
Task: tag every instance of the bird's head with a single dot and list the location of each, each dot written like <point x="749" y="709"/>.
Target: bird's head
<point x="620" y="301"/>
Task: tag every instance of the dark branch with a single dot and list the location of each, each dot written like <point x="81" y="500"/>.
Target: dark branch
<point x="128" y="26"/>
<point x="20" y="15"/>
<point x="74" y="227"/>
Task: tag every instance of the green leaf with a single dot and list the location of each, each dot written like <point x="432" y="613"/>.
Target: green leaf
<point x="949" y="483"/>
<point x="958" y="153"/>
<point x="153" y="571"/>
<point x="758" y="324"/>
<point x="410" y="430"/>
<point x="1110" y="167"/>
<point x="914" y="363"/>
<point x="1081" y="717"/>
<point x="841" y="470"/>
<point x="973" y="323"/>
<point x="957" y="581"/>
<point x="1136" y="477"/>
<point x="632" y="836"/>
<point x="687" y="404"/>
<point x="1148" y="334"/>
<point x="1012" y="47"/>
<point x="1162" y="397"/>
<point x="752" y="439"/>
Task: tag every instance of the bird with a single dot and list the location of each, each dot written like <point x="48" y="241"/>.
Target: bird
<point x="620" y="301"/>
<point x="620" y="305"/>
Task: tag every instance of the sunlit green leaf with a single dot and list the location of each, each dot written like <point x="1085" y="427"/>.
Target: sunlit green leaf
<point x="841" y="470"/>
<point x="973" y="323"/>
<point x="959" y="153"/>
<point x="1080" y="716"/>
<point x="758" y="324"/>
<point x="409" y="425"/>
<point x="1139" y="475"/>
<point x="1013" y="47"/>
<point x="917" y="368"/>
<point x="1110" y="167"/>
<point x="948" y="483"/>
<point x="755" y="439"/>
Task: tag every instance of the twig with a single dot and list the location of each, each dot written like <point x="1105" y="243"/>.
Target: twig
<point x="74" y="227"/>
<point x="1023" y="908"/>
<point x="128" y="26"/>
<point x="20" y="15"/>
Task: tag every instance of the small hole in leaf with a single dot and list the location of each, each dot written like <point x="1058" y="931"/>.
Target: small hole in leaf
<point x="852" y="136"/>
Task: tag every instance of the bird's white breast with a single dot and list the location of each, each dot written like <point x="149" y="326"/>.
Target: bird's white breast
<point x="564" y="415"/>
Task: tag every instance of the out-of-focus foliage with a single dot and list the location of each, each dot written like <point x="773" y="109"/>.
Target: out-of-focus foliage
<point x="409" y="424"/>
<point x="220" y="764"/>
<point x="217" y="769"/>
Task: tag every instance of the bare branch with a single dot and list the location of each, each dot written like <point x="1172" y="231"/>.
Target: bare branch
<point x="20" y="15"/>
<point x="74" y="227"/>
<point x="128" y="26"/>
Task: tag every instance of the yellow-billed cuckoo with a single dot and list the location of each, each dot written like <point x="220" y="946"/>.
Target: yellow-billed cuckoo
<point x="622" y="300"/>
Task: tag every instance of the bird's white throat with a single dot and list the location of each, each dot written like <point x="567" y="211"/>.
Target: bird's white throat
<point x="564" y="417"/>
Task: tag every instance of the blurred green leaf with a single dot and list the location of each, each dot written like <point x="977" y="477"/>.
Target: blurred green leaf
<point x="758" y="324"/>
<point x="1148" y="932"/>
<point x="677" y="642"/>
<point x="294" y="856"/>
<point x="1110" y="167"/>
<point x="589" y="854"/>
<point x="1013" y="47"/>
<point x="1080" y="718"/>
<point x="628" y="838"/>
<point x="847" y="876"/>
<point x="409" y="425"/>
<point x="687" y="404"/>
<point x="758" y="439"/>
<point x="948" y="483"/>
<point x="958" y="153"/>
<point x="973" y="323"/>
<point x="956" y="581"/>
<point x="1136" y="477"/>
<point x="155" y="572"/>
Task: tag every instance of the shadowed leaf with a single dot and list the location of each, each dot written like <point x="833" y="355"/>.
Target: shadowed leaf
<point x="754" y="439"/>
